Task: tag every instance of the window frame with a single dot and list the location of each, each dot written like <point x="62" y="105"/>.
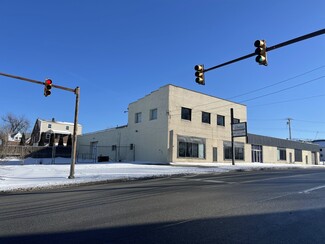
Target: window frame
<point x="153" y="114"/>
<point x="239" y="150"/>
<point x="282" y="154"/>
<point x="191" y="147"/>
<point x="204" y="119"/>
<point x="221" y="122"/>
<point x="138" y="117"/>
<point x="298" y="155"/>
<point x="186" y="113"/>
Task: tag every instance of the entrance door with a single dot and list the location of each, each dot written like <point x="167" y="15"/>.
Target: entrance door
<point x="93" y="150"/>
<point x="215" y="154"/>
<point x="290" y="158"/>
<point x="257" y="153"/>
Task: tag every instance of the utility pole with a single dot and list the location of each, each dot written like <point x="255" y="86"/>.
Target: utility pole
<point x="289" y="124"/>
<point x="233" y="152"/>
<point x="47" y="92"/>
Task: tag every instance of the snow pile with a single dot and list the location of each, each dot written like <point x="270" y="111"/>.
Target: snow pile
<point x="42" y="173"/>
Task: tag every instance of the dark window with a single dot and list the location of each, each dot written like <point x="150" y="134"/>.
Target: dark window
<point x="236" y="121"/>
<point x="67" y="127"/>
<point x="220" y="120"/>
<point x="190" y="147"/>
<point x="114" y="148"/>
<point x="153" y="114"/>
<point x="239" y="150"/>
<point x="206" y="117"/>
<point x="49" y="126"/>
<point x="138" y="117"/>
<point x="186" y="113"/>
<point x="131" y="146"/>
<point x="282" y="154"/>
<point x="298" y="155"/>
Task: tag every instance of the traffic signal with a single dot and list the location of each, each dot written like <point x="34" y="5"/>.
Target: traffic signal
<point x="199" y="74"/>
<point x="260" y="50"/>
<point x="47" y="87"/>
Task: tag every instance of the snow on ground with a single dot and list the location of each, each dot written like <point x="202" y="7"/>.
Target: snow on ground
<point x="45" y="173"/>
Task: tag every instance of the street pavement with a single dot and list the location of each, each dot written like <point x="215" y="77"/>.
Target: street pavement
<point x="269" y="206"/>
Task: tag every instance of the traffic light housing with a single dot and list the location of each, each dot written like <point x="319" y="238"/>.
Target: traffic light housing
<point x="260" y="50"/>
<point x="199" y="74"/>
<point x="47" y="87"/>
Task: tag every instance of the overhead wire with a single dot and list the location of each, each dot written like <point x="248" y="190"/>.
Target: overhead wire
<point x="277" y="83"/>
<point x="253" y="91"/>
<point x="285" y="89"/>
<point x="251" y="99"/>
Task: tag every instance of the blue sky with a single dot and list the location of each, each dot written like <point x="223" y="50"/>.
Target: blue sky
<point x="119" y="51"/>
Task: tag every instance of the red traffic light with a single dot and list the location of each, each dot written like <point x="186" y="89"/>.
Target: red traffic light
<point x="48" y="87"/>
<point x="48" y="82"/>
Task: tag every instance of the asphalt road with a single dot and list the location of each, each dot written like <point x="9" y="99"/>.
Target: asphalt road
<point x="278" y="206"/>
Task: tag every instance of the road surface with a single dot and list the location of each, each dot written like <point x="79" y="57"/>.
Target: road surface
<point x="270" y="206"/>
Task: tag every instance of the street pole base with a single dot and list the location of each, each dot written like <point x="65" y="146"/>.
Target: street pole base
<point x="71" y="177"/>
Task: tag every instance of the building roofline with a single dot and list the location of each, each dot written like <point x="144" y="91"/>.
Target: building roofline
<point x="278" y="142"/>
<point x="168" y="85"/>
<point x="57" y="122"/>
<point x="104" y="130"/>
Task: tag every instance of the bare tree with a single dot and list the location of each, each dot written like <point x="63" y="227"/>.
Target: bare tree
<point x="14" y="124"/>
<point x="11" y="125"/>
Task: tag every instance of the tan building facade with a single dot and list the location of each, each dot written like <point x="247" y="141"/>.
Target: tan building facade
<point x="173" y="124"/>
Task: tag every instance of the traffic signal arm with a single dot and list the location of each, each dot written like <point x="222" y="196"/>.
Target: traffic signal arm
<point x="268" y="49"/>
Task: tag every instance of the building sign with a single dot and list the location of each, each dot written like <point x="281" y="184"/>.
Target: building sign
<point x="239" y="129"/>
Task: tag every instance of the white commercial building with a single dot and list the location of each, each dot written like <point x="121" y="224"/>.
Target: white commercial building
<point x="173" y="124"/>
<point x="321" y="144"/>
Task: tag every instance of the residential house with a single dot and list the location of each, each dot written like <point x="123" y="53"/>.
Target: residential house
<point x="46" y="128"/>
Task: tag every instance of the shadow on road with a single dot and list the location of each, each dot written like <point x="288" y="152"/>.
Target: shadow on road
<point x="284" y="227"/>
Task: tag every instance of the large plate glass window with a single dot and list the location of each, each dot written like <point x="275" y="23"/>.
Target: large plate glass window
<point x="191" y="147"/>
<point x="239" y="150"/>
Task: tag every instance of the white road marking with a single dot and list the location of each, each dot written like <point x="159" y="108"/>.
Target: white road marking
<point x="312" y="189"/>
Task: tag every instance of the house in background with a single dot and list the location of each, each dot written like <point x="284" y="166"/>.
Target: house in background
<point x="173" y="124"/>
<point x="16" y="137"/>
<point x="44" y="128"/>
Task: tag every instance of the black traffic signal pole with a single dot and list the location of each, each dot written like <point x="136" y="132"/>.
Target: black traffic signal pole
<point x="232" y="137"/>
<point x="286" y="43"/>
<point x="76" y="91"/>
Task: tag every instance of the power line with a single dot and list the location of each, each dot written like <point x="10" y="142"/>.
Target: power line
<point x="286" y="101"/>
<point x="262" y="88"/>
<point x="277" y="83"/>
<point x="285" y="89"/>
